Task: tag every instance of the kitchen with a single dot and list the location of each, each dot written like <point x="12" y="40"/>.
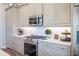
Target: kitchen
<point x="38" y="37"/>
<point x="41" y="29"/>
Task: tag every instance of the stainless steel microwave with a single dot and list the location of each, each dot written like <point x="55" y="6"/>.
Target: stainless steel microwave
<point x="36" y="20"/>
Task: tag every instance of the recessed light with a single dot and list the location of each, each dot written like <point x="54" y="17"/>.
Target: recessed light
<point x="11" y="4"/>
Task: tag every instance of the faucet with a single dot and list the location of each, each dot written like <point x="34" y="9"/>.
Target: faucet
<point x="31" y="37"/>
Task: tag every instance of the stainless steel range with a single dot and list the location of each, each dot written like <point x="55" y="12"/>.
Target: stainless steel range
<point x="30" y="47"/>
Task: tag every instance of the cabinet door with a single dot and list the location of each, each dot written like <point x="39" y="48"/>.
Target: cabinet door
<point x="19" y="45"/>
<point x="52" y="49"/>
<point x="23" y="13"/>
<point x="35" y="9"/>
<point x="40" y="48"/>
<point x="11" y="22"/>
<point x="49" y="51"/>
<point x="63" y="14"/>
<point x="49" y="12"/>
<point x="26" y="11"/>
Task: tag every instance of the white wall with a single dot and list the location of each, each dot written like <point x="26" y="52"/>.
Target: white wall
<point x="75" y="16"/>
<point x="11" y="23"/>
<point x="2" y="26"/>
<point x="40" y="31"/>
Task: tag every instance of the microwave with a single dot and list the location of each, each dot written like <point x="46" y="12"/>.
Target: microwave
<point x="36" y="20"/>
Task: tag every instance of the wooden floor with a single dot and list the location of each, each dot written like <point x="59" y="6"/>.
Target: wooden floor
<point x="11" y="52"/>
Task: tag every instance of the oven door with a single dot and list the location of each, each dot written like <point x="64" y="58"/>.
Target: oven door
<point x="29" y="49"/>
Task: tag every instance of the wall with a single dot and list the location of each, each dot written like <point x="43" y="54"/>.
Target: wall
<point x="75" y="23"/>
<point x="40" y="31"/>
<point x="2" y="26"/>
<point x="11" y="22"/>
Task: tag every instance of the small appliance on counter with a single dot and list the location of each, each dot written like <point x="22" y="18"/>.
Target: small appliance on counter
<point x="20" y="31"/>
<point x="66" y="36"/>
<point x="48" y="33"/>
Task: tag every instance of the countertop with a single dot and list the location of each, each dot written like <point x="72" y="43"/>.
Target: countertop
<point x="51" y="40"/>
<point x="33" y="37"/>
<point x="19" y="35"/>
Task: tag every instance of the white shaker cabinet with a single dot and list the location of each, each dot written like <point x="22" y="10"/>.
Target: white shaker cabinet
<point x="35" y="9"/>
<point x="54" y="14"/>
<point x="57" y="14"/>
<point x="24" y="12"/>
<point x="63" y="14"/>
<point x="52" y="49"/>
<point x="40" y="49"/>
<point x="49" y="13"/>
<point x="18" y="45"/>
<point x="11" y="23"/>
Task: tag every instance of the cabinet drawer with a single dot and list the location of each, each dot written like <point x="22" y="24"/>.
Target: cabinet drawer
<point x="56" y="45"/>
<point x="58" y="48"/>
<point x="52" y="49"/>
<point x="53" y="52"/>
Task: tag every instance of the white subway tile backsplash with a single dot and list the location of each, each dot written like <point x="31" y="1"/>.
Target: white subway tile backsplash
<point x="41" y="30"/>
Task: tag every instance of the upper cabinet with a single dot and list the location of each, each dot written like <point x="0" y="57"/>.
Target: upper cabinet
<point x="35" y="9"/>
<point x="63" y="14"/>
<point x="11" y="23"/>
<point x="54" y="14"/>
<point x="23" y="13"/>
<point x="49" y="13"/>
<point x="57" y="14"/>
<point x="28" y="10"/>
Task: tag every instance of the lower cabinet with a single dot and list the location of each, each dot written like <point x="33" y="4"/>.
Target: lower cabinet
<point x="52" y="49"/>
<point x="18" y="45"/>
<point x="40" y="48"/>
